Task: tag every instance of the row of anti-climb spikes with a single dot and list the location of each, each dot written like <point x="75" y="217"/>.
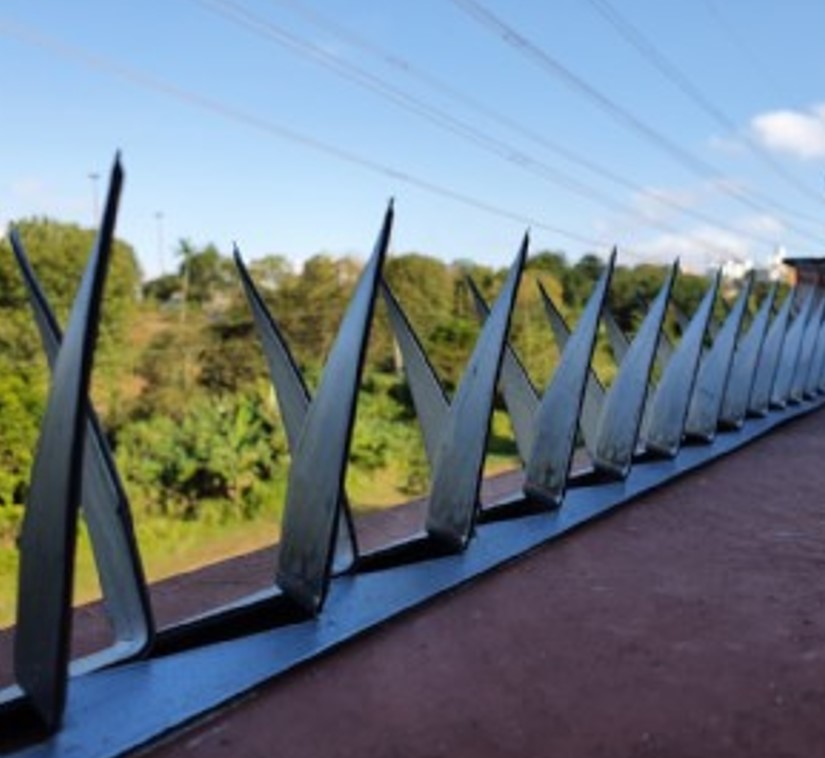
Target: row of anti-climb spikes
<point x="319" y="430"/>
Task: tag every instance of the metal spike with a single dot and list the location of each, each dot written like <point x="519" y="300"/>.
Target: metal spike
<point x="593" y="390"/>
<point x="430" y="400"/>
<point x="620" y="344"/>
<point x="817" y="365"/>
<point x="316" y="477"/>
<point x="714" y="372"/>
<point x="104" y="505"/>
<point x="768" y="364"/>
<point x="293" y="400"/>
<point x="665" y="422"/>
<point x="791" y="350"/>
<point x="745" y="362"/>
<point x="621" y="417"/>
<point x="520" y="395"/>
<point x="453" y="504"/>
<point x="806" y="352"/>
<point x="549" y="463"/>
<point x="49" y="531"/>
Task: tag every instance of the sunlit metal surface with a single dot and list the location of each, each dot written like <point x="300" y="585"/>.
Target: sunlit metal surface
<point x="768" y="364"/>
<point x="792" y="349"/>
<point x="316" y="477"/>
<point x="104" y="506"/>
<point x="665" y="422"/>
<point x="548" y="466"/>
<point x="453" y="501"/>
<point x="593" y="390"/>
<point x="745" y="360"/>
<point x="293" y="401"/>
<point x="520" y="395"/>
<point x="714" y="372"/>
<point x="49" y="532"/>
<point x="621" y="417"/>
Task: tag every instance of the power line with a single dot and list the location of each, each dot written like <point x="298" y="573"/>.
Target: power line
<point x="550" y="65"/>
<point x="239" y="15"/>
<point x="216" y="107"/>
<point x="754" y="61"/>
<point x="636" y="39"/>
<point x="409" y="69"/>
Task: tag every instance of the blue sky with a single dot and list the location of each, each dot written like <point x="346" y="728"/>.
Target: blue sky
<point x="480" y="117"/>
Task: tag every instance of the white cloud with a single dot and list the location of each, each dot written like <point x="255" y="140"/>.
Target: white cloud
<point x="797" y="133"/>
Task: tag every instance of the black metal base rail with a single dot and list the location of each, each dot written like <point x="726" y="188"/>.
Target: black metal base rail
<point x="115" y="711"/>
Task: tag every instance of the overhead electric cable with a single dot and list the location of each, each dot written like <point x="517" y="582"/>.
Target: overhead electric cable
<point x="149" y="82"/>
<point x="242" y="16"/>
<point x="550" y="65"/>
<point x="409" y="69"/>
<point x="656" y="58"/>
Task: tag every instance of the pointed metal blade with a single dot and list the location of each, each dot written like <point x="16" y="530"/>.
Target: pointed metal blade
<point x="745" y="362"/>
<point x="791" y="350"/>
<point x="714" y="372"/>
<point x="520" y="395"/>
<point x="316" y="477"/>
<point x="817" y="365"/>
<point x="429" y="398"/>
<point x="293" y="400"/>
<point x="549" y="464"/>
<point x="104" y="504"/>
<point x="618" y="428"/>
<point x="49" y="531"/>
<point x="593" y="390"/>
<point x="806" y="352"/>
<point x="665" y="422"/>
<point x="457" y="476"/>
<point x="768" y="364"/>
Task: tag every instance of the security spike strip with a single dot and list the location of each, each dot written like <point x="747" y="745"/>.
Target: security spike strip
<point x="791" y="350"/>
<point x="618" y="429"/>
<point x="768" y="365"/>
<point x="745" y="362"/>
<point x="817" y="364"/>
<point x="593" y="390"/>
<point x="548" y="466"/>
<point x="714" y="372"/>
<point x="49" y="530"/>
<point x="429" y="398"/>
<point x="665" y="422"/>
<point x="806" y="352"/>
<point x="316" y="477"/>
<point x="454" y="495"/>
<point x="105" y="507"/>
<point x="520" y="395"/>
<point x="293" y="400"/>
